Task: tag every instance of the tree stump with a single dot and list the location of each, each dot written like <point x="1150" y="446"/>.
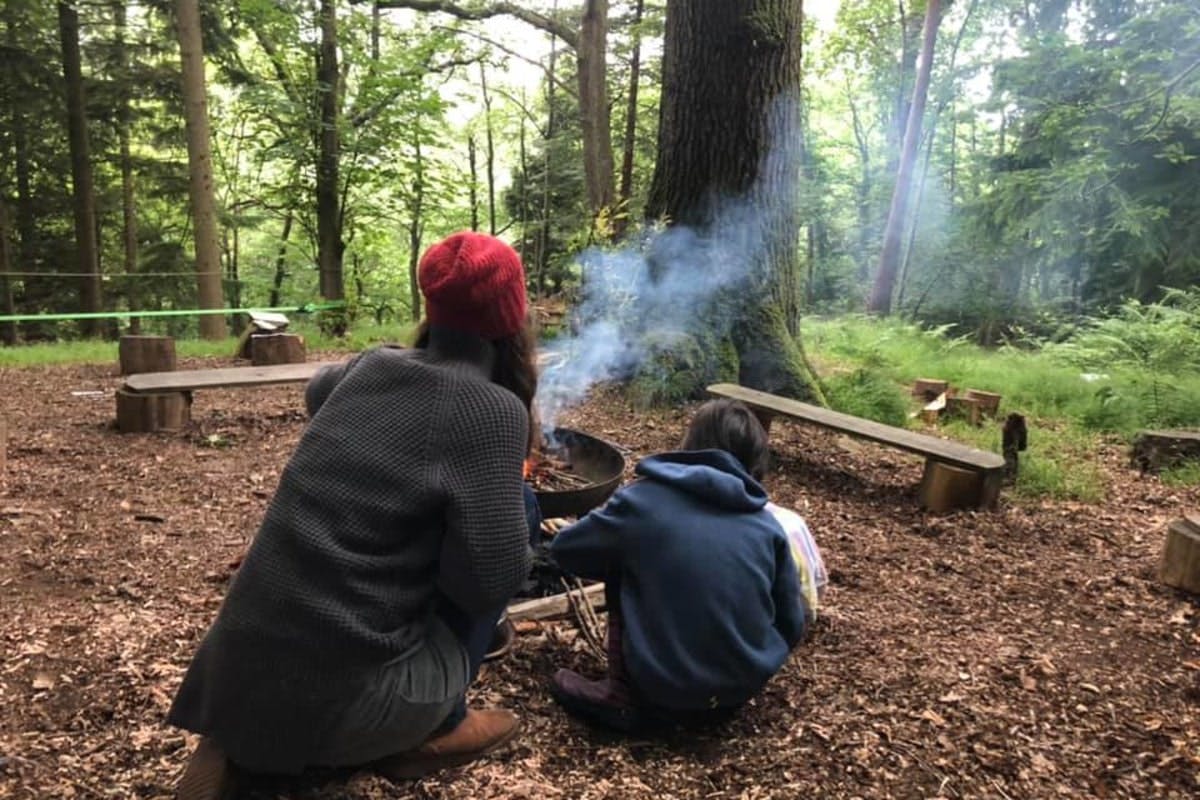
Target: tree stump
<point x="964" y="408"/>
<point x="927" y="389"/>
<point x="946" y="488"/>
<point x="1154" y="451"/>
<point x="146" y="412"/>
<point x="933" y="409"/>
<point x="989" y="402"/>
<point x="146" y="354"/>
<point x="276" y="348"/>
<point x="1180" y="565"/>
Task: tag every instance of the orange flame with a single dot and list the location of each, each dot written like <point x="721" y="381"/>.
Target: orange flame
<point x="527" y="469"/>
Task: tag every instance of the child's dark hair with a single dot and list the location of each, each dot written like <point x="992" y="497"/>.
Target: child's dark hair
<point x="730" y="426"/>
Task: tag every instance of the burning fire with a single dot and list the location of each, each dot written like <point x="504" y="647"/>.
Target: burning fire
<point x="527" y="469"/>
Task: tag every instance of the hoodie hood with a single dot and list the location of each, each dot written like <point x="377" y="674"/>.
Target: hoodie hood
<point x="714" y="476"/>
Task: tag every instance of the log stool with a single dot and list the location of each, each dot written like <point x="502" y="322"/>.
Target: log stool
<point x="1180" y="565"/>
<point x="276" y="348"/>
<point x="147" y="412"/>
<point x="146" y="354"/>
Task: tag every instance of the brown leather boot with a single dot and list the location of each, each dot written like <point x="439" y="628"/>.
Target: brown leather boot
<point x="209" y="774"/>
<point x="478" y="734"/>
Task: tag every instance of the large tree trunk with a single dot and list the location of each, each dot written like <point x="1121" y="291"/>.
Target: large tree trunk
<point x="200" y="178"/>
<point x="81" y="169"/>
<point x="727" y="129"/>
<point x="889" y="259"/>
<point x="330" y="246"/>
<point x="129" y="237"/>
<point x="594" y="113"/>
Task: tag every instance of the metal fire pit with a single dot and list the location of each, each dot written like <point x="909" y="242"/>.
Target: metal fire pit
<point x="594" y="459"/>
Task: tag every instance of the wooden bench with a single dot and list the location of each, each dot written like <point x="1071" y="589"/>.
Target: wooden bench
<point x="955" y="475"/>
<point x="152" y="401"/>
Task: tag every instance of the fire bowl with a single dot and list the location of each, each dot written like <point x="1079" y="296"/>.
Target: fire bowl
<point x="599" y="462"/>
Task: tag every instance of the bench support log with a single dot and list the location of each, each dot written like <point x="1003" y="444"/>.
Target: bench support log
<point x="138" y="354"/>
<point x="276" y="348"/>
<point x="1180" y="565"/>
<point x="152" y="411"/>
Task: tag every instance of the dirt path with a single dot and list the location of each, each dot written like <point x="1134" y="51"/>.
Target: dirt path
<point x="1027" y="653"/>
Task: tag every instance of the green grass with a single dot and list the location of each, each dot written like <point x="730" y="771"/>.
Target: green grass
<point x="96" y="351"/>
<point x="1068" y="415"/>
<point x="1187" y="474"/>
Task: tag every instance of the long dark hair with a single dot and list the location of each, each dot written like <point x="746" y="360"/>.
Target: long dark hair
<point x="515" y="366"/>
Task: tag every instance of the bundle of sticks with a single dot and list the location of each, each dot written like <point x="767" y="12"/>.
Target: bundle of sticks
<point x="547" y="473"/>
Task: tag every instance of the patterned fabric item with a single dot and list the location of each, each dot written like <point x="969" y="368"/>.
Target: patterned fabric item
<point x="809" y="564"/>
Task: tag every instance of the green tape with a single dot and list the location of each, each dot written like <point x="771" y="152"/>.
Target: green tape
<point x="308" y="308"/>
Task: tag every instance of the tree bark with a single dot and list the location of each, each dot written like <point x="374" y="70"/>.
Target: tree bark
<point x="330" y="246"/>
<point x="416" y="228"/>
<point x="889" y="260"/>
<point x="8" y="330"/>
<point x="473" y="185"/>
<point x="281" y="260"/>
<point x="727" y="128"/>
<point x="631" y="109"/>
<point x="129" y="235"/>
<point x="83" y="189"/>
<point x="200" y="178"/>
<point x="594" y="113"/>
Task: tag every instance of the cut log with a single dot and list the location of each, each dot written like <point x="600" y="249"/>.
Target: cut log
<point x="139" y="354"/>
<point x="927" y="389"/>
<point x="964" y="408"/>
<point x="152" y="411"/>
<point x="276" y="348"/>
<point x="989" y="402"/>
<point x="1180" y="565"/>
<point x="934" y="409"/>
<point x="555" y="605"/>
<point x="946" y="488"/>
<point x="1154" y="451"/>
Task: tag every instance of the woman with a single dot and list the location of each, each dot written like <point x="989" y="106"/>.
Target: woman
<point x="395" y="539"/>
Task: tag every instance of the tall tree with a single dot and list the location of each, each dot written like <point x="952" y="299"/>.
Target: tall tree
<point x="631" y="109"/>
<point x="330" y="246"/>
<point x="727" y="127"/>
<point x="889" y="259"/>
<point x="129" y="237"/>
<point x="8" y="330"/>
<point x="200" y="173"/>
<point x="82" y="186"/>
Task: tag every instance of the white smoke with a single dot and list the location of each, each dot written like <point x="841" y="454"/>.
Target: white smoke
<point x="671" y="283"/>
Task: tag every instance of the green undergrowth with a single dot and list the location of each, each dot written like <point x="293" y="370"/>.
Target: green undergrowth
<point x="98" y="351"/>
<point x="869" y="366"/>
<point x="1187" y="474"/>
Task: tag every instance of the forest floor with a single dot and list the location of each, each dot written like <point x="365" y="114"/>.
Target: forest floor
<point x="1025" y="653"/>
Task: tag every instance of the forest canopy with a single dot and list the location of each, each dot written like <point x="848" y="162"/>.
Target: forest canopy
<point x="1050" y="173"/>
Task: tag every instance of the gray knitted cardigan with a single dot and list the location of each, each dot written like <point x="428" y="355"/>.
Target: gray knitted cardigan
<point x="405" y="486"/>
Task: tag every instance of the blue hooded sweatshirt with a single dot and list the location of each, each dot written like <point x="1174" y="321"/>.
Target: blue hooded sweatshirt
<point x="710" y="601"/>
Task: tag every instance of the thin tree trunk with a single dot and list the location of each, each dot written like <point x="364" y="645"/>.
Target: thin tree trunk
<point x="281" y="261"/>
<point x="544" y="232"/>
<point x="473" y="186"/>
<point x="490" y="154"/>
<point x="26" y="215"/>
<point x="200" y="178"/>
<point x="863" y="194"/>
<point x="129" y="232"/>
<point x="330" y="247"/>
<point x="631" y="109"/>
<point x="83" y="189"/>
<point x="415" y="229"/>
<point x="594" y="112"/>
<point x="889" y="259"/>
<point x="916" y="217"/>
<point x="523" y="155"/>
<point x="8" y="330"/>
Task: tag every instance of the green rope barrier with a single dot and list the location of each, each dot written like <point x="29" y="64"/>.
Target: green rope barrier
<point x="307" y="308"/>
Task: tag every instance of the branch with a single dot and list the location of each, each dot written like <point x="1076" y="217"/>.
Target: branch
<point x="495" y="9"/>
<point x="369" y="114"/>
<point x="549" y="75"/>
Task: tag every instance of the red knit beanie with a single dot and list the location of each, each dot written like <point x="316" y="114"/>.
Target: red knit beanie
<point x="475" y="283"/>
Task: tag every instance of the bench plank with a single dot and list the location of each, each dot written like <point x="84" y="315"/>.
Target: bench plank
<point x="930" y="446"/>
<point x="190" y="380"/>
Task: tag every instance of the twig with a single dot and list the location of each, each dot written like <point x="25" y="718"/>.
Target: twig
<point x="585" y="615"/>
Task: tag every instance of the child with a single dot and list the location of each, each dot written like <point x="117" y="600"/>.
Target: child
<point x="705" y="599"/>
